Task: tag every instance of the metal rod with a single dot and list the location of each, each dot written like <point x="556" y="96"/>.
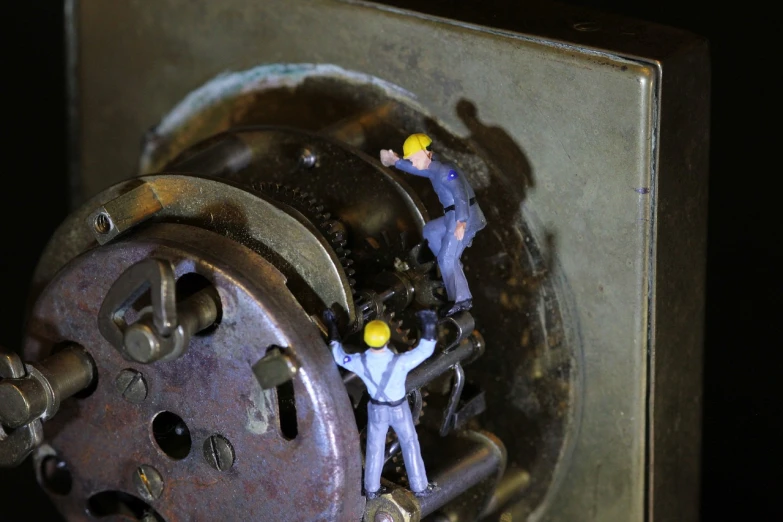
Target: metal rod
<point x="513" y="483"/>
<point x="438" y="364"/>
<point x="456" y="393"/>
<point x="38" y="395"/>
<point x="483" y="459"/>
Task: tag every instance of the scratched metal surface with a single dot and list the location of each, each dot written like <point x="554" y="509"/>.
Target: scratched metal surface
<point x="211" y="387"/>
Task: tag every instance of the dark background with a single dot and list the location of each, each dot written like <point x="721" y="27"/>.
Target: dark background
<point x="742" y="397"/>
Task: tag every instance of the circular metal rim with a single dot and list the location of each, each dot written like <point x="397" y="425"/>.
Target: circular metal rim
<point x="324" y="413"/>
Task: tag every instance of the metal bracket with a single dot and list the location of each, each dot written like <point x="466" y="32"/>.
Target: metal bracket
<point x="17" y="444"/>
<point x="123" y="213"/>
<point x="157" y="276"/>
<point x="462" y="324"/>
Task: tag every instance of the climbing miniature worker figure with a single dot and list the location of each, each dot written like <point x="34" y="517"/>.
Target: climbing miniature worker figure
<point x="449" y="235"/>
<point x="384" y="373"/>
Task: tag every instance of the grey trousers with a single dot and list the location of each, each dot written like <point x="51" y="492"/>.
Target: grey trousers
<point x="439" y="234"/>
<point x="380" y="417"/>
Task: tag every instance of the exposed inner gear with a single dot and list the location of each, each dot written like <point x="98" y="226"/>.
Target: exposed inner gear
<point x="309" y="206"/>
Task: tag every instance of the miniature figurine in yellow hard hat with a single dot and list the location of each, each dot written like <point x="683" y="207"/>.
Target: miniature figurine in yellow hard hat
<point x="449" y="235"/>
<point x="384" y="373"/>
<point x="416" y="143"/>
<point x="376" y="334"/>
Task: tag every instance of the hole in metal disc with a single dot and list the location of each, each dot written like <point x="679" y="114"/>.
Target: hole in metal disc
<point x="55" y="475"/>
<point x="172" y="435"/>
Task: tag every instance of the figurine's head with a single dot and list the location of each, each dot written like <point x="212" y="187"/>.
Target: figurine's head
<point x="416" y="149"/>
<point x="376" y="334"/>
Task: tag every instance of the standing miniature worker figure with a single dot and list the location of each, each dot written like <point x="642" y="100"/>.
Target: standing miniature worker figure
<point x="384" y="373"/>
<point x="449" y="235"/>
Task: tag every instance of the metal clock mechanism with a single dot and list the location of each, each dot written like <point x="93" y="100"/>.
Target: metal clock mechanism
<point x="177" y="367"/>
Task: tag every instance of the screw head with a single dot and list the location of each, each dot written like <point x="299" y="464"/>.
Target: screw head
<point x="219" y="453"/>
<point x="132" y="385"/>
<point x="148" y="482"/>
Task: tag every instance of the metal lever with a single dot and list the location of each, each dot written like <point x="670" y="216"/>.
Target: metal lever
<point x="31" y="394"/>
<point x="163" y="331"/>
<point x="458" y="327"/>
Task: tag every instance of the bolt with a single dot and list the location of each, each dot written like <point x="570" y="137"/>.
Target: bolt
<point x="148" y="482"/>
<point x="274" y="368"/>
<point x="132" y="385"/>
<point x="219" y="453"/>
<point x="307" y="158"/>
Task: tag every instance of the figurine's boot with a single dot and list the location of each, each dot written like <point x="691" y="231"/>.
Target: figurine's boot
<point x="375" y="494"/>
<point x="459" y="307"/>
<point x="426" y="492"/>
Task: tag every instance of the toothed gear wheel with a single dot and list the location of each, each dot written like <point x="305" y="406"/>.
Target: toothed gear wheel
<point x="333" y="229"/>
<point x="400" y="335"/>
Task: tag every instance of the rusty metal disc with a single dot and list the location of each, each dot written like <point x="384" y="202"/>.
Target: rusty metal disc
<point x="204" y="436"/>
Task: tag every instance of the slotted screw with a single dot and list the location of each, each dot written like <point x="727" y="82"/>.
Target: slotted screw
<point x="132" y="385"/>
<point x="219" y="453"/>
<point x="148" y="482"/>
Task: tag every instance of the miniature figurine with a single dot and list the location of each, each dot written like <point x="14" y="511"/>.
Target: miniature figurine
<point x="450" y="234"/>
<point x="384" y="373"/>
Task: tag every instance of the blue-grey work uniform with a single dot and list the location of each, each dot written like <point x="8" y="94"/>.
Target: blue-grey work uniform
<point x="459" y="204"/>
<point x="384" y="374"/>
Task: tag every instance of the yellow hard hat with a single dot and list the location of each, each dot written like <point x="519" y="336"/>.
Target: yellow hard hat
<point x="376" y="334"/>
<point x="414" y="144"/>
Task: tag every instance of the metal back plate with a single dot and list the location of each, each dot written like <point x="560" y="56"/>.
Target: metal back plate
<point x="610" y="132"/>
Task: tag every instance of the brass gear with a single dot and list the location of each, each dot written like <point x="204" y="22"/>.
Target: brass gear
<point x="309" y="206"/>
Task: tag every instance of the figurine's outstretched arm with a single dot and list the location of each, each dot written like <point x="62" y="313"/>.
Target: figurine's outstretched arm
<point x="418" y="355"/>
<point x="351" y="362"/>
<point x="406" y="166"/>
<point x="347" y="361"/>
<point x="426" y="346"/>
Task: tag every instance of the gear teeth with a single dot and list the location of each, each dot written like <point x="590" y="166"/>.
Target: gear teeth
<point x="333" y="229"/>
<point x="399" y="334"/>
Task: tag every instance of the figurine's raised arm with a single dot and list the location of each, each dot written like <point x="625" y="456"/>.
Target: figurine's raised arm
<point x="389" y="157"/>
<point x="406" y="166"/>
<point x="426" y="346"/>
<point x="338" y="353"/>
